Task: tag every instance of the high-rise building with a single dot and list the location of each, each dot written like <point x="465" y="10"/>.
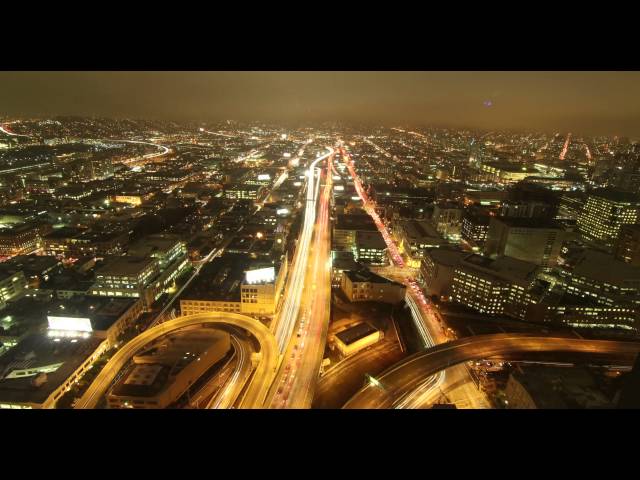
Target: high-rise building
<point x="628" y="245"/>
<point x="490" y="285"/>
<point x="437" y="269"/>
<point x="475" y="225"/>
<point x="447" y="218"/>
<point x="531" y="240"/>
<point x="604" y="214"/>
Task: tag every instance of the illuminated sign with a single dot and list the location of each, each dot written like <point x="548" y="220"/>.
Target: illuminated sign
<point x="261" y="275"/>
<point x="339" y="188"/>
<point x="264" y="176"/>
<point x="70" y="324"/>
<point x="286" y="155"/>
<point x="282" y="211"/>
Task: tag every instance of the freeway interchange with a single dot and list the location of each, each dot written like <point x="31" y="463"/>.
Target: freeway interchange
<point x="291" y="351"/>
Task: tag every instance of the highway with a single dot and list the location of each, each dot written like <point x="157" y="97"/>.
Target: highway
<point x="226" y="397"/>
<point x="217" y="133"/>
<point x="5" y="130"/>
<point x="305" y="352"/>
<point x="257" y="389"/>
<point x="408" y="375"/>
<point x="340" y="381"/>
<point x="163" y="151"/>
<point x="426" y="323"/>
<point x="217" y="381"/>
<point x="289" y="314"/>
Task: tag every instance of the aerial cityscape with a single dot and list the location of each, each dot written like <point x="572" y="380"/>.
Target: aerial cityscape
<point x="163" y="259"/>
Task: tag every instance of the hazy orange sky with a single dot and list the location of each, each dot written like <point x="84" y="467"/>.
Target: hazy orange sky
<point x="582" y="102"/>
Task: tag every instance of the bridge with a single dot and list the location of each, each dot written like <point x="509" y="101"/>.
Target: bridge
<point x="409" y="375"/>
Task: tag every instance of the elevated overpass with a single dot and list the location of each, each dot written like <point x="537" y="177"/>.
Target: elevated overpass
<point x="260" y="382"/>
<point x="408" y="375"/>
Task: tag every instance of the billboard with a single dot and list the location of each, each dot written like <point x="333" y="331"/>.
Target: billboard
<point x="261" y="275"/>
<point x="70" y="324"/>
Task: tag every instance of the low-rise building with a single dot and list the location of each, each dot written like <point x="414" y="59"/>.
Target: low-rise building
<point x="356" y="338"/>
<point x="345" y="228"/>
<point x="217" y="288"/>
<point x="42" y="367"/>
<point x="447" y="218"/>
<point x="415" y="237"/>
<point x="19" y="239"/>
<point x="370" y="248"/>
<point x="162" y="374"/>
<point x="105" y="318"/>
<point x="365" y="286"/>
<point x="13" y="285"/>
<point x="262" y="289"/>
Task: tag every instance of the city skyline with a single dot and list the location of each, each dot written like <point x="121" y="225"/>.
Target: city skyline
<point x="589" y="103"/>
<point x="324" y="252"/>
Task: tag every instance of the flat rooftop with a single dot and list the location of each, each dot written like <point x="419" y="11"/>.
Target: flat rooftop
<point x="416" y="230"/>
<point x="541" y="223"/>
<point x="219" y="280"/>
<point x="505" y="267"/>
<point x="446" y="256"/>
<point x="355" y="222"/>
<point x="35" y="351"/>
<point x="30" y="264"/>
<point x="103" y="312"/>
<point x="125" y="265"/>
<point x="364" y="275"/>
<point x="605" y="268"/>
<point x="616" y="195"/>
<point x="370" y="240"/>
<point x="355" y="333"/>
<point x="153" y="245"/>
<point x="153" y="370"/>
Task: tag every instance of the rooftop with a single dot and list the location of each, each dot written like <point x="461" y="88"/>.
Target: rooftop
<point x="445" y="256"/>
<point x="364" y="275"/>
<point x="355" y="222"/>
<point x="355" y="333"/>
<point x="605" y="268"/>
<point x="616" y="195"/>
<point x="62" y="357"/>
<point x="219" y="280"/>
<point x="153" y="245"/>
<point x="508" y="268"/>
<point x="539" y="223"/>
<point x="153" y="369"/>
<point x="103" y="312"/>
<point x="370" y="240"/>
<point x="126" y="265"/>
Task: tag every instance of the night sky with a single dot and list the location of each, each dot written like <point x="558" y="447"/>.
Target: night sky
<point x="590" y="103"/>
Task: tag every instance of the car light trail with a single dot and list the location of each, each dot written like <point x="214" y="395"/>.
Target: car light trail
<point x="393" y="249"/>
<point x="565" y="147"/>
<point x="287" y="320"/>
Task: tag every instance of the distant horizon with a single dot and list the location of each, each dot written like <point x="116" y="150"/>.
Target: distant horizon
<point x="314" y="123"/>
<point x="584" y="103"/>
